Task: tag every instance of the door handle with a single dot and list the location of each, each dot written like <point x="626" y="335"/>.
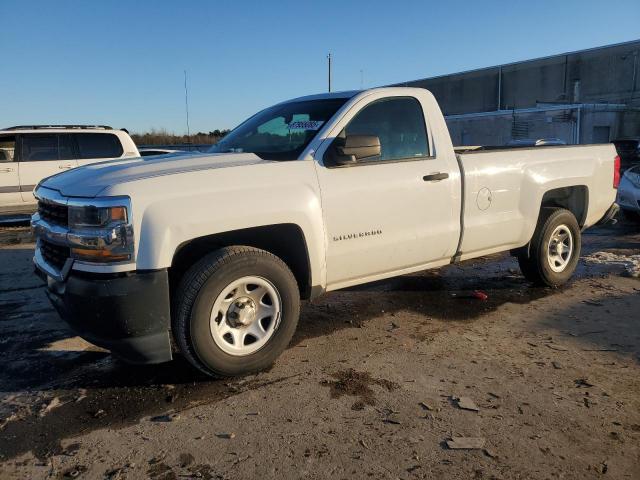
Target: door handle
<point x="435" y="177"/>
<point x="6" y="170"/>
<point x="65" y="167"/>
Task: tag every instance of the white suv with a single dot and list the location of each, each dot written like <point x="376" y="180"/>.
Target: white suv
<point x="30" y="153"/>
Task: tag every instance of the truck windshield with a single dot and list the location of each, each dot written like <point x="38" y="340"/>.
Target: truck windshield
<point x="280" y="132"/>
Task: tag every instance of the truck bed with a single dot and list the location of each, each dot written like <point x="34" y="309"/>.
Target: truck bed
<point x="503" y="189"/>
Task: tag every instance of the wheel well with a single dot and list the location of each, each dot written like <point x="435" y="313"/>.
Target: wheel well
<point x="575" y="199"/>
<point x="286" y="241"/>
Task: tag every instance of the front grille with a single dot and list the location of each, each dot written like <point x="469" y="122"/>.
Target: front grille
<point x="54" y="255"/>
<point x="53" y="213"/>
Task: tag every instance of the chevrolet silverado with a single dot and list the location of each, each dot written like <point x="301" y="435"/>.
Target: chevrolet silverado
<point x="211" y="254"/>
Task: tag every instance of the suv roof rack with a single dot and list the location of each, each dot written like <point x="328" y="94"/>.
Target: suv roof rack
<point x="66" y="127"/>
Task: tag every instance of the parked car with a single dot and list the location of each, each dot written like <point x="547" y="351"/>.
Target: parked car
<point x="308" y="196"/>
<point x="629" y="193"/>
<point x="149" y="152"/>
<point x="30" y="153"/>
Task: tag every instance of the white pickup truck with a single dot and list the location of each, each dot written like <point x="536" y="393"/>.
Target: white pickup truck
<point x="315" y="194"/>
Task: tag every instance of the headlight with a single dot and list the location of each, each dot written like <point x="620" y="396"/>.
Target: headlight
<point x="96" y="217"/>
<point x="100" y="234"/>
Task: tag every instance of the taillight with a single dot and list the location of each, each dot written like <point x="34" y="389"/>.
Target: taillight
<point x="616" y="171"/>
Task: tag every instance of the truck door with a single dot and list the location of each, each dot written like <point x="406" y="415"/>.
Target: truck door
<point x="43" y="155"/>
<point x="9" y="179"/>
<point x="391" y="213"/>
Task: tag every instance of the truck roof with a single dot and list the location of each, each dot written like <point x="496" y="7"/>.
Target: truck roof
<point x="353" y="93"/>
<point x="323" y="96"/>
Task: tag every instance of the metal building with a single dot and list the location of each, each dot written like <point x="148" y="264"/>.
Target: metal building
<point x="589" y="96"/>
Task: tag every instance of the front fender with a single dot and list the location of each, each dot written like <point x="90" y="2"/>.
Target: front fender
<point x="171" y="210"/>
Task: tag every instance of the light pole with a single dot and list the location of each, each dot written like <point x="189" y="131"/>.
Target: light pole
<point x="186" y="104"/>
<point x="329" y="59"/>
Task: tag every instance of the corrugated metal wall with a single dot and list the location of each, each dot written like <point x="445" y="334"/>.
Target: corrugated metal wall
<point x="605" y="75"/>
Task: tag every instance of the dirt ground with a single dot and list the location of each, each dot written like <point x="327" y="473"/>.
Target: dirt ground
<point x="372" y="385"/>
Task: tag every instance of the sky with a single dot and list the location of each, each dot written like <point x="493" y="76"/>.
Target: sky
<point x="121" y="63"/>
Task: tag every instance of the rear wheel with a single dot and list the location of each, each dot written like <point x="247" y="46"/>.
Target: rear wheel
<point x="554" y="249"/>
<point x="236" y="311"/>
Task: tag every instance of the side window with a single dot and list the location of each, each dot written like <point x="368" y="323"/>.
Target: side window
<point x="98" y="145"/>
<point x="398" y="123"/>
<point x="43" y="147"/>
<point x="65" y="147"/>
<point x="7" y="148"/>
<point x="39" y="147"/>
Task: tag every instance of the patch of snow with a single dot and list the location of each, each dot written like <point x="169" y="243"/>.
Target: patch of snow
<point x="631" y="263"/>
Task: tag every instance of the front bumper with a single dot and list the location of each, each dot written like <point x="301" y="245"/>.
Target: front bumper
<point x="127" y="314"/>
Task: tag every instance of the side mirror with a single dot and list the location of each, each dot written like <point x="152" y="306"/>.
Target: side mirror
<point x="353" y="148"/>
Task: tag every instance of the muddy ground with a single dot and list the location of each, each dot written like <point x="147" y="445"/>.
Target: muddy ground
<point x="367" y="389"/>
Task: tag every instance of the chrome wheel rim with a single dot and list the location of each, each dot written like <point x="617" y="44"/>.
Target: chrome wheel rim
<point x="245" y="315"/>
<point x="560" y="248"/>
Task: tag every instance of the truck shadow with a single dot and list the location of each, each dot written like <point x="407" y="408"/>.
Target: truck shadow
<point x="452" y="295"/>
<point x="40" y="351"/>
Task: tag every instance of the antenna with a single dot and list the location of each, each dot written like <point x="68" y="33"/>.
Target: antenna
<point x="329" y="59"/>
<point x="186" y="103"/>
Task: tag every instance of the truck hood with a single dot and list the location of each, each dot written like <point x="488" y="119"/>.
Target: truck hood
<point x="90" y="180"/>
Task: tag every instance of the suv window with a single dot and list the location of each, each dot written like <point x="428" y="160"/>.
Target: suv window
<point x="43" y="147"/>
<point x="65" y="147"/>
<point x="98" y="145"/>
<point x="7" y="148"/>
<point x="398" y="123"/>
<point x="39" y="148"/>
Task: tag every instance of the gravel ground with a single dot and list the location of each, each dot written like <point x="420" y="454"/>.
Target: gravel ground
<point x="380" y="381"/>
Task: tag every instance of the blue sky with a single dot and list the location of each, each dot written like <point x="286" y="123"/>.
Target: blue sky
<point x="121" y="62"/>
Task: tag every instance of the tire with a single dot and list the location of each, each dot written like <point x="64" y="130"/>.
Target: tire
<point x="545" y="265"/>
<point x="201" y="339"/>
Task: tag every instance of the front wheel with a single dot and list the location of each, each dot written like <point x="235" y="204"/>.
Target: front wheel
<point x="554" y="249"/>
<point x="236" y="311"/>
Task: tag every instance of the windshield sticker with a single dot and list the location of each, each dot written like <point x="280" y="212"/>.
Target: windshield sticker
<point x="308" y="125"/>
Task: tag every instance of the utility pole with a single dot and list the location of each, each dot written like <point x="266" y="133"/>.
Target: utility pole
<point x="186" y="104"/>
<point x="329" y="59"/>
